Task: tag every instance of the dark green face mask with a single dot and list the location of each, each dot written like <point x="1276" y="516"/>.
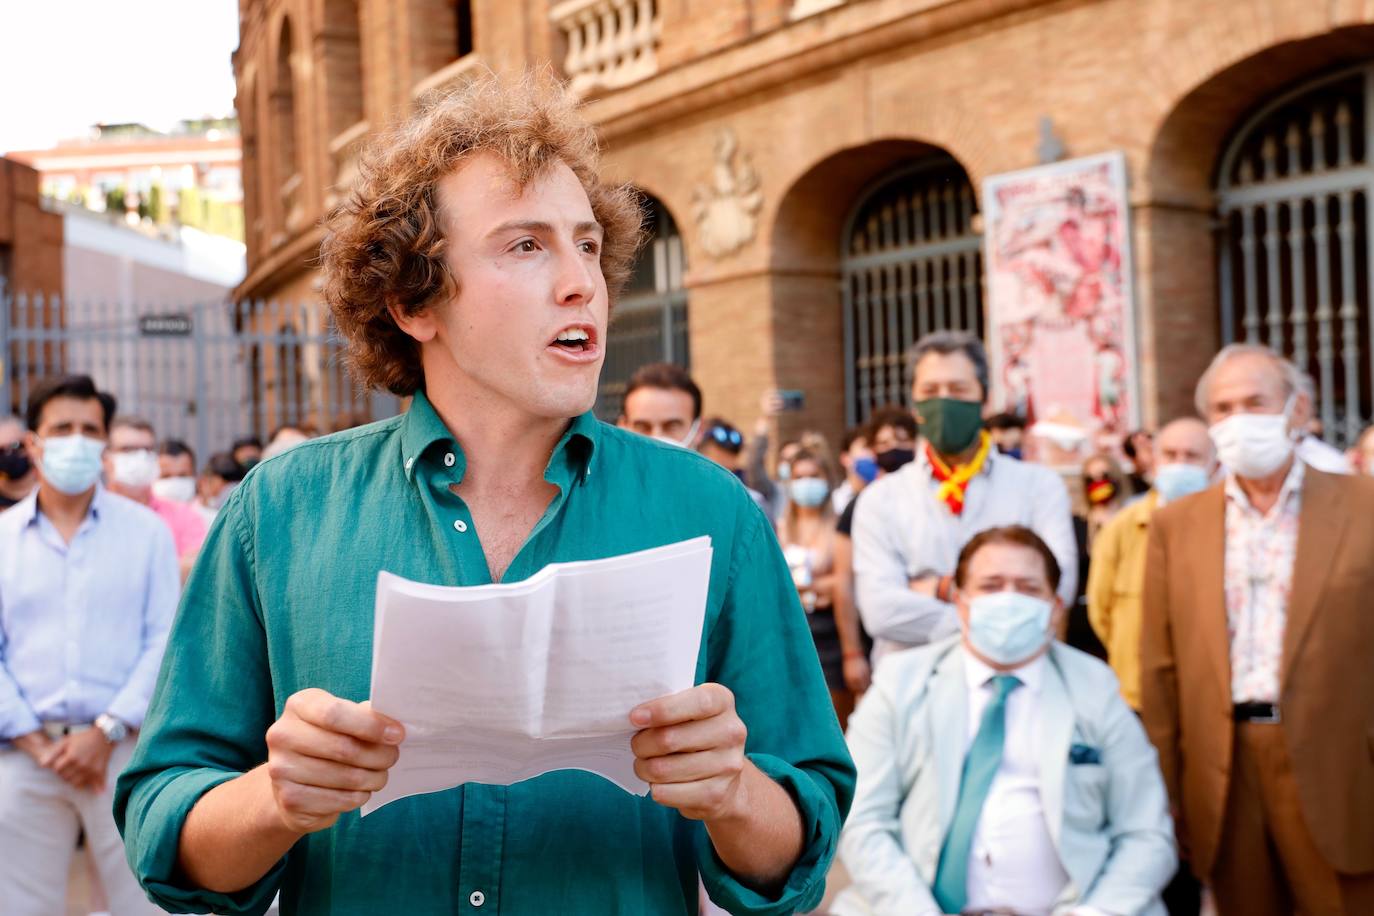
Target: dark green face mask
<point x="950" y="426"/>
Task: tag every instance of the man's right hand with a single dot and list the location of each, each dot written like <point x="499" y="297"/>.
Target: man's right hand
<point x="325" y="756"/>
<point x="36" y="744"/>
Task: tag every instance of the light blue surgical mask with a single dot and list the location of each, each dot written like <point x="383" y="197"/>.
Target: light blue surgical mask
<point x="1008" y="627"/>
<point x="72" y="463"/>
<point x="808" y="492"/>
<point x="1175" y="481"/>
<point x="784" y="471"/>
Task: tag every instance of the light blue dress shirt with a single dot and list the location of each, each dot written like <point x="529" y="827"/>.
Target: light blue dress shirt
<point x="82" y="625"/>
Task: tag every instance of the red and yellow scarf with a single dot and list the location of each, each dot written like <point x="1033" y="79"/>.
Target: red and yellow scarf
<point x="954" y="481"/>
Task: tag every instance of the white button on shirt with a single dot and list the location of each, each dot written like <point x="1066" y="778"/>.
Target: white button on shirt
<point x="477" y="898"/>
<point x="460" y="526"/>
<point x="1013" y="864"/>
<point x="449" y="459"/>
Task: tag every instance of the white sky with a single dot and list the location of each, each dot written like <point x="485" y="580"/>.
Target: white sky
<point x="68" y="64"/>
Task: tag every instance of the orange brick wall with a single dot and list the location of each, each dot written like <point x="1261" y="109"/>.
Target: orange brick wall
<point x="31" y="236"/>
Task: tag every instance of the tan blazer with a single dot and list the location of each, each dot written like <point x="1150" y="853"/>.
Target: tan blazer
<point x="1326" y="677"/>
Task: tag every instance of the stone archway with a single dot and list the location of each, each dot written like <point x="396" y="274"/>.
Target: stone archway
<point x="1176" y="207"/>
<point x="649" y="321"/>
<point x="845" y="254"/>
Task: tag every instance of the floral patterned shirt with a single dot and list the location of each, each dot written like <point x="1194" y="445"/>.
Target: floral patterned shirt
<point x="1260" y="549"/>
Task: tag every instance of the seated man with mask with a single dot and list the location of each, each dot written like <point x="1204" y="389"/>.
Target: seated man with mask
<point x="1000" y="771"/>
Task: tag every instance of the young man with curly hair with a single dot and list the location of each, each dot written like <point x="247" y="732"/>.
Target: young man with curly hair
<point x="472" y="268"/>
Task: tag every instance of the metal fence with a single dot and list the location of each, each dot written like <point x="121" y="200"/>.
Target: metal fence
<point x="1295" y="247"/>
<point x="206" y="373"/>
<point x="912" y="263"/>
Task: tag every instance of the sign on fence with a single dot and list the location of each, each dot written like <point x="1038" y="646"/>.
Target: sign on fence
<point x="164" y="325"/>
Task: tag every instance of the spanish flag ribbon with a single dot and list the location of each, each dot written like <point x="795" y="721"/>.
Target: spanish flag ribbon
<point x="954" y="481"/>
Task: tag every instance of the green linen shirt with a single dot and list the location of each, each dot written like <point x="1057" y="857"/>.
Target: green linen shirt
<point x="281" y="599"/>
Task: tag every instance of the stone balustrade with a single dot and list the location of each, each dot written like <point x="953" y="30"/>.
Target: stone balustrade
<point x="611" y="43"/>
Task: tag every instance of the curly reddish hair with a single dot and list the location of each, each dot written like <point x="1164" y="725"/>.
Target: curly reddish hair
<point x="384" y="243"/>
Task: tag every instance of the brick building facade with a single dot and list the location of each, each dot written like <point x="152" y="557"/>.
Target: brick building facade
<point x="30" y="236"/>
<point x="763" y="128"/>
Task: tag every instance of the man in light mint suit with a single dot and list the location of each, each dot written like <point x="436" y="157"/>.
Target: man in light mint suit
<point x="1000" y="771"/>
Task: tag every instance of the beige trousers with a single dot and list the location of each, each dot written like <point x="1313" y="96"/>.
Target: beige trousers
<point x="40" y="816"/>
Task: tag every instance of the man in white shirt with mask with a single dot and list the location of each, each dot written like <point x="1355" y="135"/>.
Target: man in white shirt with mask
<point x="88" y="587"/>
<point x="662" y="402"/>
<point x="176" y="462"/>
<point x="1000" y="771"/>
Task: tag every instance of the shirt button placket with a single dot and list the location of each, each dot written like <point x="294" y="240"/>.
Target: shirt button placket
<point x="483" y="832"/>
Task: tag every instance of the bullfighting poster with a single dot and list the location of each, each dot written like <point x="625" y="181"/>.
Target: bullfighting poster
<point x="1061" y="311"/>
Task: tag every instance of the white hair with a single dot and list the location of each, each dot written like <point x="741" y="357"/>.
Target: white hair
<point x="1292" y="379"/>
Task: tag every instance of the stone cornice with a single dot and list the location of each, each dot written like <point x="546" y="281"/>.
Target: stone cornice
<point x="292" y="258"/>
<point x="831" y="39"/>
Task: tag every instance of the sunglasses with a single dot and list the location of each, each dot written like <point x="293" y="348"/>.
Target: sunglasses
<point x="725" y="437"/>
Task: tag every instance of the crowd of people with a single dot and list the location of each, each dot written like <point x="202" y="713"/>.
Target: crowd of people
<point x="914" y="533"/>
<point x="89" y="584"/>
<point x="196" y="703"/>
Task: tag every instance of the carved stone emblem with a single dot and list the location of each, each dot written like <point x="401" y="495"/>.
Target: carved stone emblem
<point x="726" y="210"/>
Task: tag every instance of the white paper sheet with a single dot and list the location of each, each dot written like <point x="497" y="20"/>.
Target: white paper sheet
<point x="500" y="683"/>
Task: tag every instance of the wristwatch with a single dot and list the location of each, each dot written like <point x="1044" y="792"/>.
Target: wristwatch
<point x="113" y="729"/>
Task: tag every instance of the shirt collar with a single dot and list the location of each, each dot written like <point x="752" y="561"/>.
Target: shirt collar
<point x="424" y="437"/>
<point x="1292" y="485"/>
<point x="977" y="673"/>
<point x="28" y="506"/>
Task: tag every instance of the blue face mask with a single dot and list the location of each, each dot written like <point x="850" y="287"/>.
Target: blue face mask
<point x="808" y="492"/>
<point x="1008" y="627"/>
<point x="1175" y="481"/>
<point x="866" y="469"/>
<point x="72" y="463"/>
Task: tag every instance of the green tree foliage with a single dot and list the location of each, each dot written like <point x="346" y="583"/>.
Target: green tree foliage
<point x="114" y="200"/>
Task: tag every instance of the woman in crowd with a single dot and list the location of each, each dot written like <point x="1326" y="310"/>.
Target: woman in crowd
<point x="1104" y="492"/>
<point x="807" y="535"/>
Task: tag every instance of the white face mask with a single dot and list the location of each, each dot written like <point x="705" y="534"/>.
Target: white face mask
<point x="1253" y="445"/>
<point x="685" y="442"/>
<point x="1008" y="627"/>
<point x="175" y="489"/>
<point x="136" y="470"/>
<point x="71" y="463"/>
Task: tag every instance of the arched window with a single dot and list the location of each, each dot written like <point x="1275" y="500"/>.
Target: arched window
<point x="343" y="65"/>
<point x="246" y="103"/>
<point x="284" y="116"/>
<point x="463" y="14"/>
<point x="1295" y="250"/>
<point x="441" y="31"/>
<point x="649" y="324"/>
<point x="911" y="263"/>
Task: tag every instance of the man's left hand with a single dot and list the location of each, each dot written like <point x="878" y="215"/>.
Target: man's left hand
<point x="81" y="759"/>
<point x="691" y="752"/>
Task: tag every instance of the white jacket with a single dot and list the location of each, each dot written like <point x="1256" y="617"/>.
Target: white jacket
<point x="1109" y="820"/>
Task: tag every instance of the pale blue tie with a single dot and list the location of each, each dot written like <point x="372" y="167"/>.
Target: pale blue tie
<point x="980" y="766"/>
